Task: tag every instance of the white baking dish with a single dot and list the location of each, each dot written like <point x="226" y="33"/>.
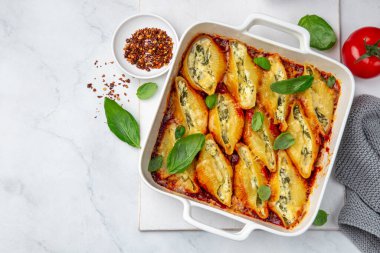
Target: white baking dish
<point x="302" y="54"/>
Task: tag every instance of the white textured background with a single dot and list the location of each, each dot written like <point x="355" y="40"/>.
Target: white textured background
<point x="66" y="183"/>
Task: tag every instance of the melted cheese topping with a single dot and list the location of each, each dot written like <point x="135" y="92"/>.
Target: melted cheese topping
<point x="242" y="76"/>
<point x="192" y="106"/>
<point x="304" y="151"/>
<point x="226" y="122"/>
<point x="261" y="142"/>
<point x="276" y="104"/>
<point x="185" y="181"/>
<point x="199" y="64"/>
<point x="214" y="172"/>
<point x="289" y="192"/>
<point x="319" y="100"/>
<point x="248" y="178"/>
<point x="204" y="65"/>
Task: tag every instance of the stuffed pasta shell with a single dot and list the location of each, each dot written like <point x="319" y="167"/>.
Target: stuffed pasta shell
<point x="319" y="101"/>
<point x="204" y="64"/>
<point x="226" y="122"/>
<point x="190" y="107"/>
<point x="248" y="177"/>
<point x="275" y="104"/>
<point x="260" y="142"/>
<point x="305" y="149"/>
<point x="289" y="192"/>
<point x="242" y="78"/>
<point x="214" y="171"/>
<point x="182" y="182"/>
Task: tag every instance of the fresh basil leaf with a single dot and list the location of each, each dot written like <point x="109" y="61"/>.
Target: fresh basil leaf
<point x="146" y="90"/>
<point x="331" y="81"/>
<point x="322" y="36"/>
<point x="155" y="163"/>
<point x="257" y="121"/>
<point x="321" y="218"/>
<point x="293" y="85"/>
<point x="184" y="152"/>
<point x="264" y="192"/>
<point x="211" y="101"/>
<point x="262" y="62"/>
<point x="122" y="123"/>
<point x="283" y="141"/>
<point x="179" y="131"/>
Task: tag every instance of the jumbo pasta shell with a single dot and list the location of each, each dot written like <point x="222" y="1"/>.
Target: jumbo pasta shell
<point x="204" y="64"/>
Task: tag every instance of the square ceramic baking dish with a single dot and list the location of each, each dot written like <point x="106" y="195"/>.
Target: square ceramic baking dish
<point x="301" y="54"/>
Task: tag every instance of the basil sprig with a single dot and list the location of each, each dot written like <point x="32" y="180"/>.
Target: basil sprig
<point x="211" y="101"/>
<point x="293" y="85"/>
<point x="257" y="121"/>
<point x="264" y="192"/>
<point x="262" y="62"/>
<point x="147" y="90"/>
<point x="283" y="141"/>
<point x="331" y="81"/>
<point x="155" y="163"/>
<point x="122" y="123"/>
<point x="179" y="131"/>
<point x="321" y="218"/>
<point x="184" y="152"/>
<point x="322" y="36"/>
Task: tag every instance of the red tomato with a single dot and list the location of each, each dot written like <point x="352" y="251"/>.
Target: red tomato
<point x="361" y="52"/>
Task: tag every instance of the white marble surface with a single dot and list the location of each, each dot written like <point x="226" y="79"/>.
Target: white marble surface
<point x="66" y="183"/>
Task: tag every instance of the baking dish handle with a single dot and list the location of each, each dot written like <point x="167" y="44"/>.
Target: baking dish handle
<point x="238" y="236"/>
<point x="300" y="33"/>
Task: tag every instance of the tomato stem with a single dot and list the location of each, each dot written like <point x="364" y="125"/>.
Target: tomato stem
<point x="371" y="50"/>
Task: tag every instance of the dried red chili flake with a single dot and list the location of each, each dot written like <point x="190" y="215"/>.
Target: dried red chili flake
<point x="149" y="48"/>
<point x="89" y="85"/>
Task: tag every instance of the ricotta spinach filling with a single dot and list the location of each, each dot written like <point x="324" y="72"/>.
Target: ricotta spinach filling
<point x="268" y="147"/>
<point x="220" y="170"/>
<point x="280" y="110"/>
<point x="245" y="86"/>
<point x="253" y="182"/>
<point x="183" y="99"/>
<point x="224" y="116"/>
<point x="321" y="117"/>
<point x="285" y="196"/>
<point x="306" y="149"/>
<point x="199" y="64"/>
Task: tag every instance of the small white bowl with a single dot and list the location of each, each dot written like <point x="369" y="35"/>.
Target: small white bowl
<point x="126" y="29"/>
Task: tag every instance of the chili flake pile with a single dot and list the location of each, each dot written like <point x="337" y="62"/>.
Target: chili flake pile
<point x="149" y="48"/>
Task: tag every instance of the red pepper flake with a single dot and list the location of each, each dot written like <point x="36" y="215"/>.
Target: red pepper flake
<point x="149" y="48"/>
<point x="89" y="85"/>
<point x="100" y="96"/>
<point x="94" y="90"/>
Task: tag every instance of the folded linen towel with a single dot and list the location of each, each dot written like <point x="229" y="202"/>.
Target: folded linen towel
<point x="358" y="168"/>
